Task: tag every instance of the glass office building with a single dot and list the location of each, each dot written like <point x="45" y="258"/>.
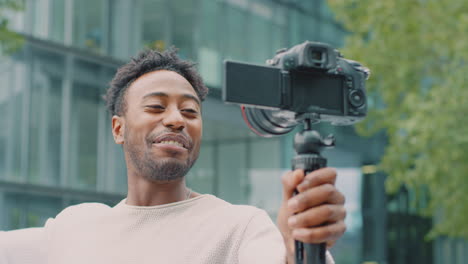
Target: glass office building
<point x="58" y="137"/>
<point x="56" y="145"/>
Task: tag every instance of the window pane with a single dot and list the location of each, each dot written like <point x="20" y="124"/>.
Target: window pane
<point x="152" y="21"/>
<point x="45" y="119"/>
<point x="84" y="127"/>
<point x="233" y="172"/>
<point x="23" y="210"/>
<point x="330" y="33"/>
<point x="209" y="24"/>
<point x="89" y="125"/>
<point x="84" y="134"/>
<point x="15" y="72"/>
<point x="278" y="33"/>
<point x="236" y="42"/>
<point x="260" y="48"/>
<point x="265" y="170"/>
<point x="184" y="21"/>
<point x="113" y="176"/>
<point x="224" y="159"/>
<point x="116" y="169"/>
<point x="57" y="27"/>
<point x="201" y="177"/>
<point x="37" y="21"/>
<point x="209" y="54"/>
<point x="309" y="28"/>
<point x="5" y="75"/>
<point x="294" y="32"/>
<point x="88" y="24"/>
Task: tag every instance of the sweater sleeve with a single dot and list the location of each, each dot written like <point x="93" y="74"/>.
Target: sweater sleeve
<point x="23" y="246"/>
<point x="262" y="242"/>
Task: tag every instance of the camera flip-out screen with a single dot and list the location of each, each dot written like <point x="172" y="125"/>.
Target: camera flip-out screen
<point x="252" y="84"/>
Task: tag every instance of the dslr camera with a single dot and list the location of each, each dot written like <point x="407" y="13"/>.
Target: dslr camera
<point x="310" y="81"/>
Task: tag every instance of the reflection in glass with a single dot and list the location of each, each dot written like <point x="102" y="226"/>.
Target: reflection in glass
<point x="236" y="23"/>
<point x="5" y="74"/>
<point x="23" y="210"/>
<point x="44" y="119"/>
<point x="348" y="249"/>
<point x="57" y="26"/>
<point x="12" y="103"/>
<point x="264" y="174"/>
<point x="183" y="22"/>
<point x="233" y="172"/>
<point x="84" y="144"/>
<point x="88" y="24"/>
<point x="208" y="45"/>
<point x="161" y="24"/>
<point x="260" y="48"/>
<point x="201" y="178"/>
<point x="116" y="166"/>
<point x="152" y="22"/>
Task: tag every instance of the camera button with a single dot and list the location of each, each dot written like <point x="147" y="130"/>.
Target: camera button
<point x="356" y="98"/>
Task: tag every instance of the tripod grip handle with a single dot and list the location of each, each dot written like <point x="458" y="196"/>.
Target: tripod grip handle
<point x="309" y="253"/>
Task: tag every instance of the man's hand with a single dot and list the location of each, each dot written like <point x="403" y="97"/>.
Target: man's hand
<point x="315" y="215"/>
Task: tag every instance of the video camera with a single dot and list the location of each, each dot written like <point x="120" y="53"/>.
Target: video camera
<point x="308" y="81"/>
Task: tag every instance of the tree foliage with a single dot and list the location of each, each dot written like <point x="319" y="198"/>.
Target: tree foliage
<point x="417" y="51"/>
<point x="10" y="41"/>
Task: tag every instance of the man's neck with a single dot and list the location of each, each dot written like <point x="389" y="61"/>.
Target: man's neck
<point x="144" y="192"/>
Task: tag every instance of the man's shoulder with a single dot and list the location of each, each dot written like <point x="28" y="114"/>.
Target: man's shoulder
<point x="235" y="210"/>
<point x="83" y="210"/>
<point x="78" y="216"/>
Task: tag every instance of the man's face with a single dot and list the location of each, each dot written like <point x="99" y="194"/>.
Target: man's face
<point x="162" y="127"/>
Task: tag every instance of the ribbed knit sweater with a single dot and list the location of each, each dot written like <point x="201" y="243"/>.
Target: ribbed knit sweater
<point x="201" y="230"/>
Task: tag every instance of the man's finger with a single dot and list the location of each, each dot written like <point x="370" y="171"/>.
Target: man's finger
<point x="318" y="177"/>
<point x="327" y="213"/>
<point x="320" y="234"/>
<point x="325" y="193"/>
<point x="290" y="181"/>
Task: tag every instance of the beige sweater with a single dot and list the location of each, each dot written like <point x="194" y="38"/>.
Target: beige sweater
<point x="204" y="229"/>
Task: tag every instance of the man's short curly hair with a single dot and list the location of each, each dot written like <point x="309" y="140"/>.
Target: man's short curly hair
<point x="145" y="62"/>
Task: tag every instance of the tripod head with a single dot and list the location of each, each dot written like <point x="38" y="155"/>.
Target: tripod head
<point x="309" y="141"/>
<point x="308" y="145"/>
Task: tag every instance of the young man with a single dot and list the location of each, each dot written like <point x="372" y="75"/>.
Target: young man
<point x="155" y="102"/>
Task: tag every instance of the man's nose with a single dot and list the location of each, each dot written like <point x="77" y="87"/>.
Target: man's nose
<point x="174" y="120"/>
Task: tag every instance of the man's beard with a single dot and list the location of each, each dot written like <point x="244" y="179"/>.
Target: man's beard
<point x="157" y="170"/>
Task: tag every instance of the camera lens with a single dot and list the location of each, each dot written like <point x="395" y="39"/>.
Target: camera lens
<point x="267" y="123"/>
<point x="356" y="98"/>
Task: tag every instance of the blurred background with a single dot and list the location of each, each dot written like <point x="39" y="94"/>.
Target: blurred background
<point x="56" y="145"/>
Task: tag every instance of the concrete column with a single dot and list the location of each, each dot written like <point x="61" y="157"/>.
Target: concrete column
<point x="67" y="83"/>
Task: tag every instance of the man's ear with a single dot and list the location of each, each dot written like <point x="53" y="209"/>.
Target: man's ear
<point x="118" y="128"/>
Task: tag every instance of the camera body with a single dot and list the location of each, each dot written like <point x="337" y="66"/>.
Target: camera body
<point x="310" y="80"/>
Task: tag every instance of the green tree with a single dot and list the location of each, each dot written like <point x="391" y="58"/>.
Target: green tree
<point x="10" y="41"/>
<point x="417" y="51"/>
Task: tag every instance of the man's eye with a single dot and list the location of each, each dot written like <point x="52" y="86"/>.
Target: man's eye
<point x="155" y="106"/>
<point x="189" y="110"/>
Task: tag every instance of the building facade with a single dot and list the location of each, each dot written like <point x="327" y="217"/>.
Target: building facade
<point x="56" y="148"/>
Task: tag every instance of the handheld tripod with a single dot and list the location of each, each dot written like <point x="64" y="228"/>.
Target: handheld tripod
<point x="308" y="144"/>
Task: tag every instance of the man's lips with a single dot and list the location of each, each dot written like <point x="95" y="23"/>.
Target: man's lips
<point x="171" y="139"/>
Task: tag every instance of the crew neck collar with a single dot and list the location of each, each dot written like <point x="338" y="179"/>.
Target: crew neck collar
<point x="123" y="204"/>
